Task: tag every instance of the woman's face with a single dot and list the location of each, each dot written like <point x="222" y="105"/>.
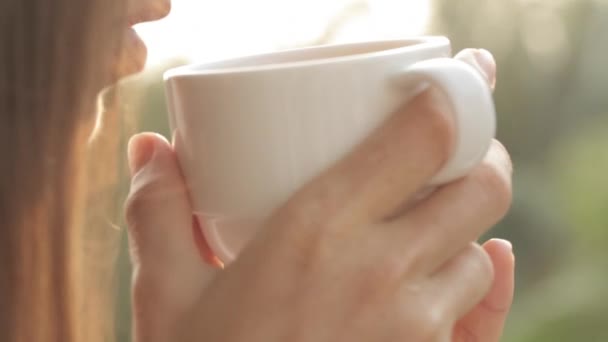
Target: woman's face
<point x="133" y="53"/>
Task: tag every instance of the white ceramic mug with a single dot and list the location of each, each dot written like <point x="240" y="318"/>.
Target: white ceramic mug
<point x="249" y="132"/>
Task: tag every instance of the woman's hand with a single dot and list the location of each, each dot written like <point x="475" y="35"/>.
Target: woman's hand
<point x="329" y="265"/>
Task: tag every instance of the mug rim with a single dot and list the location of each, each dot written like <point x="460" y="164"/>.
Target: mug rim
<point x="410" y="44"/>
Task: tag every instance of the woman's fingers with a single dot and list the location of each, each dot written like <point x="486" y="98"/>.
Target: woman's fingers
<point x="169" y="273"/>
<point x="387" y="168"/>
<point x="486" y="321"/>
<point x="463" y="281"/>
<point x="454" y="215"/>
<point x="433" y="303"/>
<point x="394" y="163"/>
<point x="483" y="61"/>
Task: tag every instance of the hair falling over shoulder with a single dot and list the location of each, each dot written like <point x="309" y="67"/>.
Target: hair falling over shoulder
<point x="54" y="58"/>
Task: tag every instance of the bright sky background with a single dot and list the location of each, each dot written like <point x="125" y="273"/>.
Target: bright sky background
<point x="203" y="30"/>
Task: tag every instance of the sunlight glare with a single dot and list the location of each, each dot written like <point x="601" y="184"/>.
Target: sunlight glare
<point x="203" y="30"/>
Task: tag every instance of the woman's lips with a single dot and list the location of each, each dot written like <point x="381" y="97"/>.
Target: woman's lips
<point x="133" y="54"/>
<point x="135" y="45"/>
<point x="130" y="57"/>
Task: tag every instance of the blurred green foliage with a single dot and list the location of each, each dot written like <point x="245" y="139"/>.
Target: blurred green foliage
<point x="552" y="100"/>
<point x="552" y="104"/>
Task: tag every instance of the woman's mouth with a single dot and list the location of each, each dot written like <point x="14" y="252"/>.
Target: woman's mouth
<point x="135" y="51"/>
<point x="131" y="56"/>
<point x="132" y="53"/>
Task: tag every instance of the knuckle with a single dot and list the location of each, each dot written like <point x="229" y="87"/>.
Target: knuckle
<point x="432" y="109"/>
<point x="481" y="264"/>
<point x="370" y="287"/>
<point x="415" y="257"/>
<point x="387" y="272"/>
<point x="495" y="186"/>
<point x="299" y="236"/>
<point x="135" y="204"/>
<point x="420" y="317"/>
<point x="316" y="205"/>
<point x="310" y="222"/>
<point x="150" y="191"/>
<point x="430" y="323"/>
<point x="136" y="207"/>
<point x="308" y="252"/>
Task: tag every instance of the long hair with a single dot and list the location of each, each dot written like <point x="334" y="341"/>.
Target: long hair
<point x="54" y="58"/>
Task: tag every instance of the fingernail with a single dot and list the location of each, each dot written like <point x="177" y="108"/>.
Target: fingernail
<point x="506" y="244"/>
<point x="487" y="65"/>
<point x="140" y="151"/>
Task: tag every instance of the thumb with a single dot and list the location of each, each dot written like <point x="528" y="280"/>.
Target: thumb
<point x="168" y="271"/>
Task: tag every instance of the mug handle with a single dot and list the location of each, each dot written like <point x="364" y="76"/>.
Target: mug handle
<point x="472" y="105"/>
